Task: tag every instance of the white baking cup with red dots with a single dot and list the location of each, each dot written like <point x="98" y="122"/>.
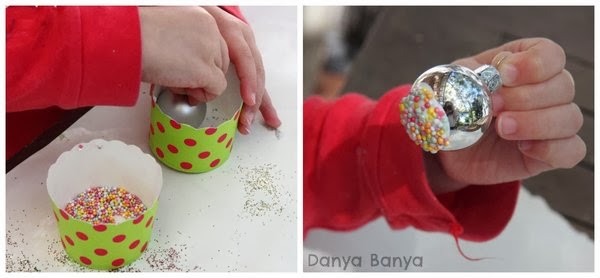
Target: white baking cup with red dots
<point x="108" y="164"/>
<point x="197" y="149"/>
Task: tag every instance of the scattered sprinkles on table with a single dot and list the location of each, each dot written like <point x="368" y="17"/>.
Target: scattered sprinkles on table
<point x="424" y="119"/>
<point x="103" y="205"/>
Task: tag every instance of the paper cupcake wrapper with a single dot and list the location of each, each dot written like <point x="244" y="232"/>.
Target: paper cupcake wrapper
<point x="107" y="164"/>
<point x="105" y="246"/>
<point x="188" y="149"/>
<point x="196" y="150"/>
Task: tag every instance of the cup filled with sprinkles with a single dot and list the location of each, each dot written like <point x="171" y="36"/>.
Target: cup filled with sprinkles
<point x="104" y="198"/>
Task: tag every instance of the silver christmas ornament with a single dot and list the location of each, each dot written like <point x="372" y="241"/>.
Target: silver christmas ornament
<point x="449" y="106"/>
<point x="177" y="107"/>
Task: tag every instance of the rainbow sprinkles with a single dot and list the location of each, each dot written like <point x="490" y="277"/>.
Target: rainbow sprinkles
<point x="424" y="119"/>
<point x="103" y="205"/>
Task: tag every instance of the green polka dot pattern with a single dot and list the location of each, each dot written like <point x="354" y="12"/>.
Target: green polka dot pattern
<point x="188" y="149"/>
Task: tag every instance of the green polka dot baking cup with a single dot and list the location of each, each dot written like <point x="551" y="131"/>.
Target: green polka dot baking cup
<point x="424" y="119"/>
<point x="196" y="149"/>
<point x="104" y="246"/>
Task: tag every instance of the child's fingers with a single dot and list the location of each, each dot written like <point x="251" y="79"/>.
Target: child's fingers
<point x="216" y="82"/>
<point x="520" y="62"/>
<point x="549" y="123"/>
<point x="260" y="69"/>
<point x="199" y="95"/>
<point x="193" y="101"/>
<point x="195" y="95"/>
<point x="268" y="112"/>
<point x="558" y="153"/>
<point x="224" y="55"/>
<point x="246" y="119"/>
<point x="249" y="112"/>
<point x="532" y="61"/>
<point x="179" y="91"/>
<point x="560" y="89"/>
<point x="242" y="58"/>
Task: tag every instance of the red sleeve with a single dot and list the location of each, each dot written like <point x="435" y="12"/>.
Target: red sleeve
<point x="359" y="164"/>
<point x="72" y="56"/>
<point x="235" y="11"/>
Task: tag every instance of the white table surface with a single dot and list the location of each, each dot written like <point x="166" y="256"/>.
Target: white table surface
<point x="205" y="222"/>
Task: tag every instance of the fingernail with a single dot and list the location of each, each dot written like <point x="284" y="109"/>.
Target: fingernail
<point x="570" y="77"/>
<point x="524" y="145"/>
<point x="246" y="130"/>
<point x="252" y="99"/>
<point x="508" y="73"/>
<point x="508" y="125"/>
<point x="249" y="118"/>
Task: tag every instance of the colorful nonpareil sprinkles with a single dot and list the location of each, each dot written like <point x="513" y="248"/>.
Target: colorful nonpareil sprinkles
<point x="424" y="119"/>
<point x="102" y="205"/>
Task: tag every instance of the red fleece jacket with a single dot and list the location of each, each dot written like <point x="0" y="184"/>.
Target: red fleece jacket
<point x="360" y="164"/>
<point x="69" y="57"/>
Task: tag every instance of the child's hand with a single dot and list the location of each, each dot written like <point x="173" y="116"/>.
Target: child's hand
<point x="182" y="48"/>
<point x="249" y="67"/>
<point x="536" y="121"/>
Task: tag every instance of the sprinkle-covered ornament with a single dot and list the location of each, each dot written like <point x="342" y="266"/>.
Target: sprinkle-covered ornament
<point x="449" y="106"/>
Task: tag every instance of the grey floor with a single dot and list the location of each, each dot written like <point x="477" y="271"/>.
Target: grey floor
<point x="405" y="41"/>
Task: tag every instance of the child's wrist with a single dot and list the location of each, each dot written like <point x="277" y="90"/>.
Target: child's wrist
<point x="438" y="179"/>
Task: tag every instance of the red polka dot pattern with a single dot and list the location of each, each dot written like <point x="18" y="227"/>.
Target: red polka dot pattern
<point x="134" y="244"/>
<point x="100" y="252"/>
<point x="144" y="247"/>
<point x="82" y="236"/>
<point x="190" y="142"/>
<point x="64" y="214"/>
<point x="104" y="246"/>
<point x="186" y="165"/>
<point x="118" y="238"/>
<point x="151" y="129"/>
<point x="175" y="124"/>
<point x="159" y="152"/>
<point x="161" y="128"/>
<point x="204" y="155"/>
<point x="118" y="262"/>
<point x="149" y="221"/>
<point x="100" y="228"/>
<point x="138" y="219"/>
<point x="69" y="241"/>
<point x="210" y="131"/>
<point x="187" y="149"/>
<point x="172" y="148"/>
<point x="85" y="260"/>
